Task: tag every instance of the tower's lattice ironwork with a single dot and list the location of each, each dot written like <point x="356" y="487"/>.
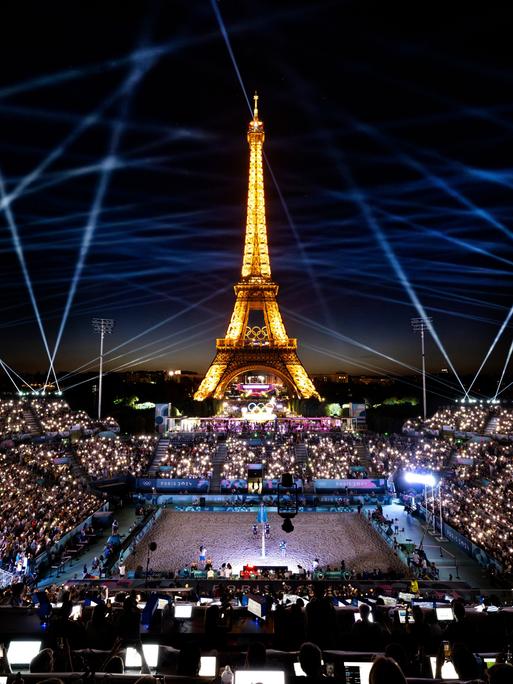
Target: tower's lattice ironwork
<point x="246" y="347"/>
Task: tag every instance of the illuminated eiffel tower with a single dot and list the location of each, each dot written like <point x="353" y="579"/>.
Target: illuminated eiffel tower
<point x="249" y="347"/>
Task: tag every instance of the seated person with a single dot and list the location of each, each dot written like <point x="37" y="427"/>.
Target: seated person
<point x="386" y="671"/>
<point x="367" y="635"/>
<point x="501" y="674"/>
<point x="256" y="657"/>
<point x="189" y="661"/>
<point x="464" y="661"/>
<point x="310" y="659"/>
<point x="42" y="662"/>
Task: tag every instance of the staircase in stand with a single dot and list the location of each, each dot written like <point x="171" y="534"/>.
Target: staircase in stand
<point x="218" y="462"/>
<point x="77" y="469"/>
<point x="301" y="458"/>
<point x="491" y="426"/>
<point x="301" y="455"/>
<point x="158" y="456"/>
<point x="31" y="421"/>
<point x="364" y="458"/>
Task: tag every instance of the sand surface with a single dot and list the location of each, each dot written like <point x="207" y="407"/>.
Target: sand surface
<point x="228" y="537"/>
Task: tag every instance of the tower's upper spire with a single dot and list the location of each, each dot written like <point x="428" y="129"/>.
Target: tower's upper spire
<point x="255" y="263"/>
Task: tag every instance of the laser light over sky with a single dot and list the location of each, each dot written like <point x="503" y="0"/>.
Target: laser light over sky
<point x="137" y="212"/>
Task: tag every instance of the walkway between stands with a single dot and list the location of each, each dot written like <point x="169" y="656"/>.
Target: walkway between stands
<point x="454" y="561"/>
<point x="126" y="519"/>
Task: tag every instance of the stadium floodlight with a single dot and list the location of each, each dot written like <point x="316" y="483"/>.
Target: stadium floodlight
<point x="426" y="479"/>
<point x="103" y="326"/>
<point x="421" y="325"/>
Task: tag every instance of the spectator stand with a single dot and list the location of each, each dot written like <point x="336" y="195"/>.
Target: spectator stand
<point x="478" y="554"/>
<point x="58" y="556"/>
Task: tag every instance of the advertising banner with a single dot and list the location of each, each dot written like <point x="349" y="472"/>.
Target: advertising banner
<point x="242" y="485"/>
<point x="164" y="484"/>
<point x="350" y="484"/>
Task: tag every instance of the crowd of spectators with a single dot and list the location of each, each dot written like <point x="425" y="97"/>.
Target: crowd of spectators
<point x="41" y="501"/>
<point x="327" y="456"/>
<point x="12" y="420"/>
<point x="49" y="416"/>
<point x="331" y="457"/>
<point x="478" y="501"/>
<point x="394" y="452"/>
<point x="477" y="485"/>
<point x="503" y="425"/>
<point x="471" y="418"/>
<point x="56" y="417"/>
<point x="277" y="455"/>
<point x="191" y="457"/>
<point x="107" y="457"/>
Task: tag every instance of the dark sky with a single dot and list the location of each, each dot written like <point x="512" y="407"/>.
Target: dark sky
<point x="389" y="133"/>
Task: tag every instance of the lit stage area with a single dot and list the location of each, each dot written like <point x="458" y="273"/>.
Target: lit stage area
<point x="229" y="538"/>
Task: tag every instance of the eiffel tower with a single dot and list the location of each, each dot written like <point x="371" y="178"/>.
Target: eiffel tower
<point x="250" y="347"/>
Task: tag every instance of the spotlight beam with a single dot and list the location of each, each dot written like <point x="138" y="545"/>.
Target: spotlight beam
<point x="508" y="357"/>
<point x="490" y="350"/>
<point x="382" y="240"/>
<point x="143" y="346"/>
<point x="21" y="258"/>
<point x="145" y="56"/>
<point x="371" y="367"/>
<point x="151" y="52"/>
<point x="19" y="376"/>
<point x="349" y="340"/>
<point x="504" y="389"/>
<point x="9" y="376"/>
<point x="173" y="317"/>
<point x="449" y="238"/>
<point x="143" y="358"/>
<point x="129" y="85"/>
<point x="85" y="123"/>
<point x="435" y="180"/>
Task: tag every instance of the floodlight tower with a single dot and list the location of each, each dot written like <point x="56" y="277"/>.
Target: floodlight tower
<point x="421" y="325"/>
<point x="103" y="326"/>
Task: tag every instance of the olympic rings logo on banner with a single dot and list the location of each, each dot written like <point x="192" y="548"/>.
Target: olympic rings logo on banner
<point x="260" y="407"/>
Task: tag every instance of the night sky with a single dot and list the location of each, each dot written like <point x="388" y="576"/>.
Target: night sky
<point x="389" y="133"/>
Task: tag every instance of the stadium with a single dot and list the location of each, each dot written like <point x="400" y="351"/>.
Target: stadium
<point x="265" y="518"/>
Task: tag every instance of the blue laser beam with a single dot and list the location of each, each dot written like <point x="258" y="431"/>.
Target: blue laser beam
<point x="19" y="376"/>
<point x="9" y="376"/>
<point x="145" y="358"/>
<point x="134" y="78"/>
<point x="508" y="357"/>
<point x="173" y="317"/>
<point x="371" y="367"/>
<point x="300" y="318"/>
<point x="382" y="240"/>
<point x="490" y="350"/>
<point x="142" y="346"/>
<point x="435" y="180"/>
<point x="21" y="258"/>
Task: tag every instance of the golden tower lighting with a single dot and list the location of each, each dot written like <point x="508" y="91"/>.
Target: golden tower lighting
<point x="246" y="347"/>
